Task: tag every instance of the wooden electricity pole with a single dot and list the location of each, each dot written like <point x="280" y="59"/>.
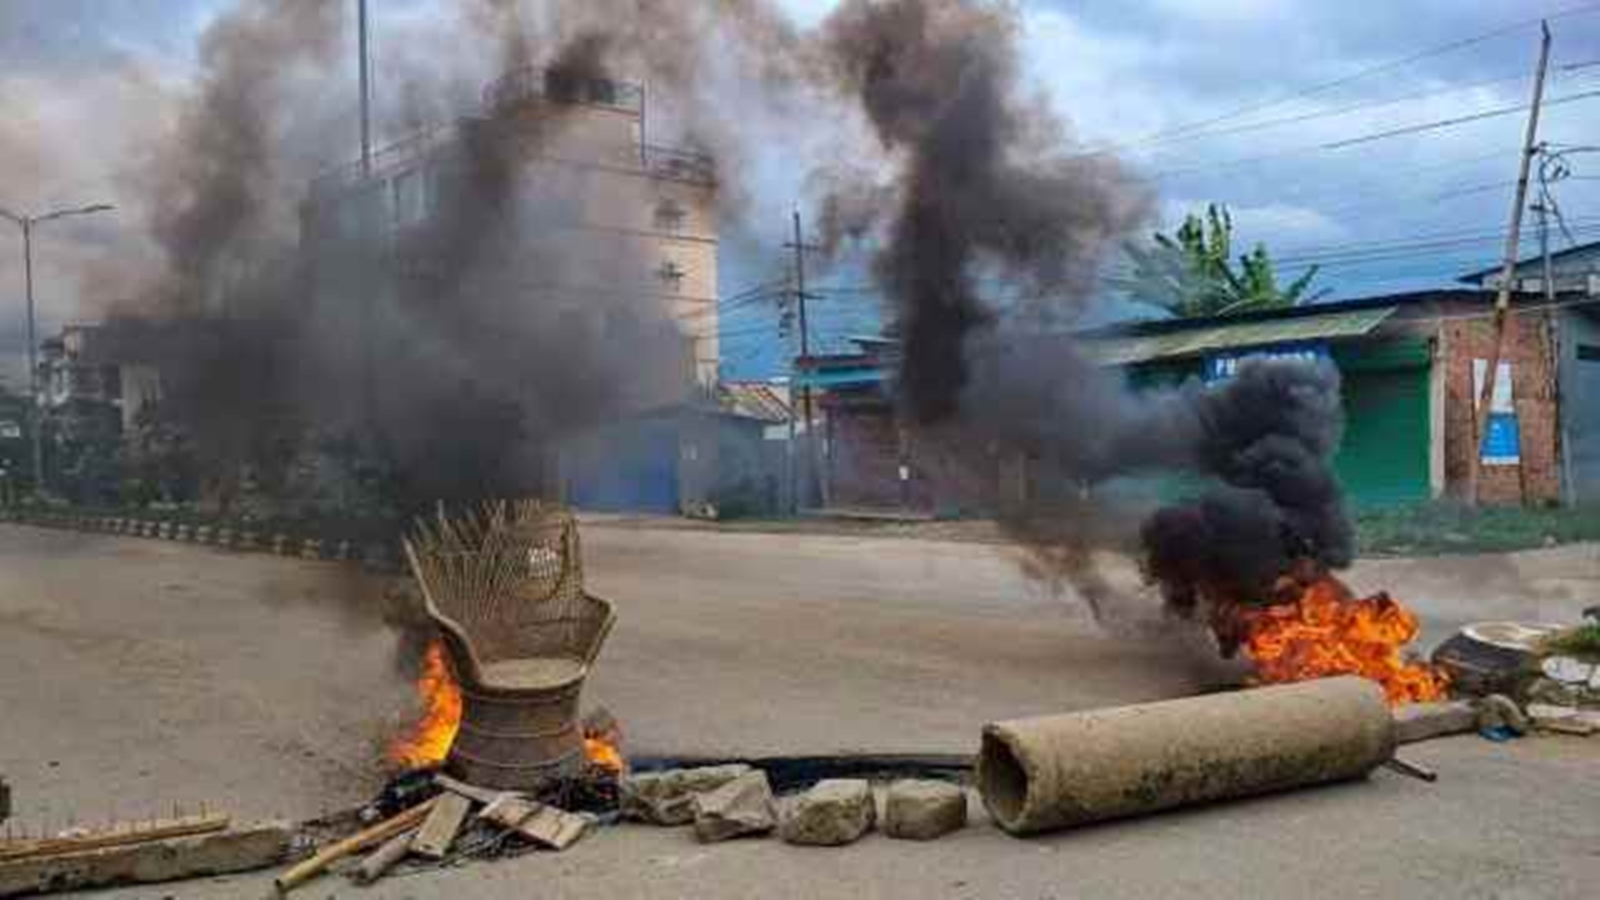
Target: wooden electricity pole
<point x="1502" y="302"/>
<point x="811" y="468"/>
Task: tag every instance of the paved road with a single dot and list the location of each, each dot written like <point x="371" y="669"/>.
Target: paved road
<point x="134" y="674"/>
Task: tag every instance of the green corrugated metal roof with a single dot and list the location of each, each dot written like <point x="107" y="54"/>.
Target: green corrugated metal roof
<point x="1129" y="349"/>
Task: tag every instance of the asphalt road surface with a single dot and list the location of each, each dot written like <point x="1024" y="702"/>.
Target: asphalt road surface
<point x="135" y="675"/>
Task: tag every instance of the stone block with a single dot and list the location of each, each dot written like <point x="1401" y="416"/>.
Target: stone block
<point x="1424" y="721"/>
<point x="742" y="806"/>
<point x="922" y="809"/>
<point x="834" y="812"/>
<point x="667" y="798"/>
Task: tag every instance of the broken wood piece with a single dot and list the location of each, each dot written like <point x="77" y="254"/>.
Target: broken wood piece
<point x="439" y="830"/>
<point x="130" y="833"/>
<point x="241" y="849"/>
<point x="485" y="796"/>
<point x="381" y="860"/>
<point x="545" y="825"/>
<point x="369" y="837"/>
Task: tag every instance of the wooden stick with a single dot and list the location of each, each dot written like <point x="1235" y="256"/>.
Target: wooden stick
<point x="384" y="858"/>
<point x="361" y="840"/>
<point x="158" y="830"/>
<point x="1421" y="773"/>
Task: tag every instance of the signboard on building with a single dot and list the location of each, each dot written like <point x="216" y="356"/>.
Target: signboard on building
<point x="1223" y="366"/>
<point x="1502" y="442"/>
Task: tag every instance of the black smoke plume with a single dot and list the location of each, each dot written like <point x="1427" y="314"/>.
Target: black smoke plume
<point x="988" y="192"/>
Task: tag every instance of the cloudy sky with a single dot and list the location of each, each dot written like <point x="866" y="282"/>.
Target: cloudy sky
<point x="1232" y="101"/>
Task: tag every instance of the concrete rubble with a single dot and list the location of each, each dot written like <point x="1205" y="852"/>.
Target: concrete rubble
<point x="832" y="813"/>
<point x="740" y="807"/>
<point x="667" y="798"/>
<point x="1564" y="719"/>
<point x="239" y="849"/>
<point x="1415" y="722"/>
<point x="922" y="809"/>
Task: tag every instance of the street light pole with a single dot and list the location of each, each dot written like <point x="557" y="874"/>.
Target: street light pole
<point x="35" y="419"/>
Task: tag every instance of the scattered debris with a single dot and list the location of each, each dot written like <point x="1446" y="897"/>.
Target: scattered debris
<point x="361" y="840"/>
<point x="740" y="807"/>
<point x="1415" y="722"/>
<point x="130" y="855"/>
<point x="833" y="813"/>
<point x="1499" y="713"/>
<point x="667" y="798"/>
<point x="923" y="809"/>
<point x="1564" y="719"/>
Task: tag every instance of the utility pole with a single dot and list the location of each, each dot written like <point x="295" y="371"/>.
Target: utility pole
<point x="27" y="223"/>
<point x="799" y="246"/>
<point x="1502" y="303"/>
<point x="366" y="89"/>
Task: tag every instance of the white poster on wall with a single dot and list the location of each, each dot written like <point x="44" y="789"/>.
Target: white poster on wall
<point x="1502" y="443"/>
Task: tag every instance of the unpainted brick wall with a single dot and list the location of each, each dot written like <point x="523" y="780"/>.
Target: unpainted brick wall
<point x="1528" y="349"/>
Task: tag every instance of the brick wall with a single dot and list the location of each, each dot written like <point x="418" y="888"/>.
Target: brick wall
<point x="1528" y="351"/>
<point x="866" y="463"/>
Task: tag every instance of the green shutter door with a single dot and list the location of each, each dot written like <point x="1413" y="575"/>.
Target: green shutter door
<point x="1384" y="457"/>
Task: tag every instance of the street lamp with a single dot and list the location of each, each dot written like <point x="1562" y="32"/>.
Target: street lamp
<point x="27" y="224"/>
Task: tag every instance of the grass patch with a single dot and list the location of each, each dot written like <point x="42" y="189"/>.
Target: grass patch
<point x="1446" y="528"/>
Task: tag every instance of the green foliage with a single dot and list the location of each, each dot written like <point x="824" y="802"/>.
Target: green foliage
<point x="1444" y="528"/>
<point x="1192" y="273"/>
<point x="1582" y="642"/>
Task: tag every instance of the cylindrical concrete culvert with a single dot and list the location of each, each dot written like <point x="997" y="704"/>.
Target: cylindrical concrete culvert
<point x="1060" y="771"/>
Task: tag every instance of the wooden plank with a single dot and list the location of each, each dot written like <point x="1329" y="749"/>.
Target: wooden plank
<point x="361" y="840"/>
<point x="133" y="833"/>
<point x="545" y="825"/>
<point x="241" y="849"/>
<point x="485" y="796"/>
<point x="439" y="831"/>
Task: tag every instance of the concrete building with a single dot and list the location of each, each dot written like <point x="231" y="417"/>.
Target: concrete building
<point x="114" y="364"/>
<point x="631" y="224"/>
<point x="1409" y="365"/>
<point x="604" y="240"/>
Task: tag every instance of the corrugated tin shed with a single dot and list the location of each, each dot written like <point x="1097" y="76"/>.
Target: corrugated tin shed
<point x="754" y="400"/>
<point x="1118" y="350"/>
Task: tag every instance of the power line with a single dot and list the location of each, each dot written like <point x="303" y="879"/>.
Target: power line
<point x="1326" y="86"/>
<point x="1457" y="120"/>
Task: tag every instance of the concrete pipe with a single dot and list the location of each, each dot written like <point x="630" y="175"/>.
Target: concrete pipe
<point x="1060" y="771"/>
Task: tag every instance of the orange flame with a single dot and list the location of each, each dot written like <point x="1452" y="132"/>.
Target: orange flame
<point x="428" y="740"/>
<point x="603" y="754"/>
<point x="1327" y="631"/>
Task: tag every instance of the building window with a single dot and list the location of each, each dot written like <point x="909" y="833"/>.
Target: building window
<point x="410" y="198"/>
<point x="671" y="274"/>
<point x="670" y="215"/>
<point x="1589" y="352"/>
